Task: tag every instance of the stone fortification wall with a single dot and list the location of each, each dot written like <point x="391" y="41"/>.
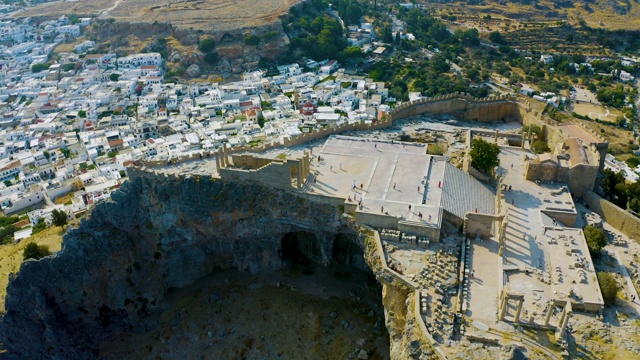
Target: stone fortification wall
<point x="245" y="161"/>
<point x="617" y="217"/>
<point x="274" y="174"/>
<point x="463" y="106"/>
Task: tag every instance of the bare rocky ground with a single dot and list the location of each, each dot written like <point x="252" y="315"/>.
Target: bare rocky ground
<point x="308" y="312"/>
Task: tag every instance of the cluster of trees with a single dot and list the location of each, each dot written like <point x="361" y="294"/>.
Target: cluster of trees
<point x="39" y="67"/>
<point x="207" y="46"/>
<point x="612" y="96"/>
<point x="619" y="192"/>
<point x="322" y="38"/>
<point x="35" y="251"/>
<point x="350" y="11"/>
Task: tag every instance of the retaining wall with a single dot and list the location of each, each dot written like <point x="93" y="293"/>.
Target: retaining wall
<point x="617" y="217"/>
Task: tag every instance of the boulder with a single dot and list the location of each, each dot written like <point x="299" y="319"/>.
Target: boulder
<point x="193" y="70"/>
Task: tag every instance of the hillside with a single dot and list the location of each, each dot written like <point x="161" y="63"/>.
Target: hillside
<point x="606" y="14"/>
<point x="207" y="15"/>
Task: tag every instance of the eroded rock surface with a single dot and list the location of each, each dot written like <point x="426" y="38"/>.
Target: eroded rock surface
<point x="156" y="233"/>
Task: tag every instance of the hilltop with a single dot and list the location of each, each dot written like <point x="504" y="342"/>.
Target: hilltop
<point x="207" y="15"/>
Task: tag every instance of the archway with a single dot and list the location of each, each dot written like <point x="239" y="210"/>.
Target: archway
<point x="300" y="248"/>
<point x="345" y="250"/>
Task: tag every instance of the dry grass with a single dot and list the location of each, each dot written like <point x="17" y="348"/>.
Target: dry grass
<point x="11" y="255"/>
<point x="596" y="111"/>
<point x="216" y="15"/>
<point x="61" y="200"/>
<point x="603" y="14"/>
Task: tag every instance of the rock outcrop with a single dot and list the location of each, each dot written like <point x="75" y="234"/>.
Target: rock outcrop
<point x="156" y="233"/>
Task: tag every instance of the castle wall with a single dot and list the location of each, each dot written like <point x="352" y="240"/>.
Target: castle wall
<point x="612" y="214"/>
<point x="273" y="174"/>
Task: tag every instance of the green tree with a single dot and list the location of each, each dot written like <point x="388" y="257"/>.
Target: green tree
<point x="540" y="146"/>
<point x="632" y="162"/>
<point x="114" y="77"/>
<point x="82" y="114"/>
<point x="35" y="251"/>
<point x="206" y="44"/>
<point x="261" y="120"/>
<point x="387" y="35"/>
<point x="41" y="225"/>
<point x="252" y="40"/>
<point x="596" y="240"/>
<point x="496" y="37"/>
<point x="59" y="217"/>
<point x="211" y="58"/>
<point x="608" y="286"/>
<point x="484" y="155"/>
<point x="39" y="67"/>
<point x="46" y="154"/>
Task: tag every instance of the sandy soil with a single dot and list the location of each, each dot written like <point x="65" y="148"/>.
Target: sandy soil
<point x="290" y="314"/>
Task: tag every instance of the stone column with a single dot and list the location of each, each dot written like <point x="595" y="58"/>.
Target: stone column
<point x="223" y="161"/>
<point x="520" y="302"/>
<point x="226" y="155"/>
<point x="549" y="313"/>
<point x="299" y="169"/>
<point x="495" y="140"/>
<point x="218" y="162"/>
<point x="562" y="315"/>
<point x="563" y="325"/>
<point x="502" y="308"/>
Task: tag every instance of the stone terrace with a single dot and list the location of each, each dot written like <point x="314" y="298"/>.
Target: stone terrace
<point x="393" y="177"/>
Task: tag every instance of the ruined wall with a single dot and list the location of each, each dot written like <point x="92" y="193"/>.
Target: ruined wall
<point x="250" y="161"/>
<point x="617" y="217"/>
<point x="566" y="217"/>
<point x="156" y="232"/>
<point x="419" y="229"/>
<point x="546" y="172"/>
<point x="479" y="224"/>
<point x="378" y="220"/>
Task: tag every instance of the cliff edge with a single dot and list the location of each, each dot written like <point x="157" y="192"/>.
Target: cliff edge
<point x="156" y="233"/>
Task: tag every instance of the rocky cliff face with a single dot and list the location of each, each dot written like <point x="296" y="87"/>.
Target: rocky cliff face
<point x="156" y="233"/>
<point x="235" y="57"/>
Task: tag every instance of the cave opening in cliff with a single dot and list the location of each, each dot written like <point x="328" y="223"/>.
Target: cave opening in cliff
<point x="346" y="251"/>
<point x="299" y="248"/>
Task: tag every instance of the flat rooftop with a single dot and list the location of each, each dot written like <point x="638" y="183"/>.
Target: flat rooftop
<point x="390" y="177"/>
